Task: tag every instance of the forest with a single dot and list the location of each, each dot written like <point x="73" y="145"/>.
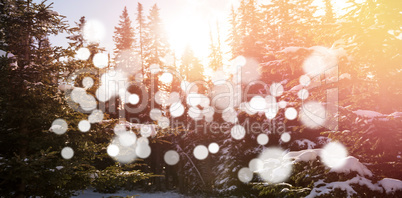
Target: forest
<point x="288" y="103"/>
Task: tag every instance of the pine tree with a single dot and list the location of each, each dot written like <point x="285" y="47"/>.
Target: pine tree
<point x="289" y="23"/>
<point x="329" y="14"/>
<point x="124" y="34"/>
<point x="191" y="66"/>
<point x="157" y="45"/>
<point x="246" y="31"/>
<point x="326" y="29"/>
<point x="233" y="37"/>
<point x="373" y="42"/>
<point x="141" y="28"/>
<point x="252" y="40"/>
<point x="77" y="40"/>
<point x="215" y="56"/>
<point x="30" y="102"/>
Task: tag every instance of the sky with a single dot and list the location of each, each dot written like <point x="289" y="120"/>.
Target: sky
<point x="186" y="21"/>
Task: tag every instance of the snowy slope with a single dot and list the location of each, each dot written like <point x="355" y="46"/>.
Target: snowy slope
<point x="91" y="194"/>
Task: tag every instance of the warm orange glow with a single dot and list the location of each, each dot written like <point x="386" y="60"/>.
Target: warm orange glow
<point x="339" y="7"/>
<point x="188" y="30"/>
<point x="190" y="25"/>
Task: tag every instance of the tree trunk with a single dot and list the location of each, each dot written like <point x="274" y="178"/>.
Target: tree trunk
<point x="23" y="145"/>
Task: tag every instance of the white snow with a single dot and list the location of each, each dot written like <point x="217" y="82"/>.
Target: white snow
<point x="153" y="127"/>
<point x="303" y="155"/>
<point x="323" y="140"/>
<point x="91" y="194"/>
<point x="345" y="75"/>
<point x="55" y="127"/>
<point x="303" y="142"/>
<point x="14" y="65"/>
<point x="396" y="114"/>
<point x="376" y="115"/>
<point x="343" y="185"/>
<point x="291" y="49"/>
<point x="353" y="164"/>
<point x="391" y="185"/>
<point x="296" y="88"/>
<point x="64" y="87"/>
<point x="52" y="12"/>
<point x="368" y="113"/>
<point x="327" y="188"/>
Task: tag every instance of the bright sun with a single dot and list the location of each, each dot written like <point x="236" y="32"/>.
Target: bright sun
<point x="190" y="25"/>
<point x="189" y="30"/>
<point x="338" y="6"/>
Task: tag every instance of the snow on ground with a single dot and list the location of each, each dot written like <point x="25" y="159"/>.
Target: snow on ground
<point x="353" y="164"/>
<point x="396" y="114"/>
<point x="376" y="115"/>
<point x="291" y="49"/>
<point x="368" y="113"/>
<point x="345" y="76"/>
<point x="303" y="155"/>
<point x="296" y="88"/>
<point x="91" y="194"/>
<point x="326" y="188"/>
<point x="305" y="142"/>
<point x="391" y="185"/>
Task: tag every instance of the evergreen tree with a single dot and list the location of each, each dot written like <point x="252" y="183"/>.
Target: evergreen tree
<point x="252" y="32"/>
<point x="157" y="45"/>
<point x="124" y="35"/>
<point x="30" y="102"/>
<point x="289" y="23"/>
<point x="141" y="28"/>
<point x="329" y="14"/>
<point x="370" y="32"/>
<point x="233" y="37"/>
<point x="77" y="40"/>
<point x="246" y="30"/>
<point x="191" y="66"/>
<point x="215" y="56"/>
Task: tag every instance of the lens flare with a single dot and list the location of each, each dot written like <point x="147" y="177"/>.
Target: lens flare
<point x="171" y="157"/>
<point x="200" y="152"/>
<point x="245" y="175"/>
<point x="334" y="155"/>
<point x="67" y="152"/>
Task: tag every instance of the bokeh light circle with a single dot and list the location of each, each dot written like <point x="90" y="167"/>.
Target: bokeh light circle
<point x="290" y="113"/>
<point x="200" y="152"/>
<point x="84" y="125"/>
<point x="245" y="175"/>
<point x="285" y="137"/>
<point x="213" y="148"/>
<point x="100" y="60"/>
<point x="112" y="150"/>
<point x="334" y="155"/>
<point x="276" y="167"/>
<point x="67" y="152"/>
<point x="59" y="126"/>
<point x="237" y="132"/>
<point x="262" y="139"/>
<point x="171" y="157"/>
<point x="312" y="114"/>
